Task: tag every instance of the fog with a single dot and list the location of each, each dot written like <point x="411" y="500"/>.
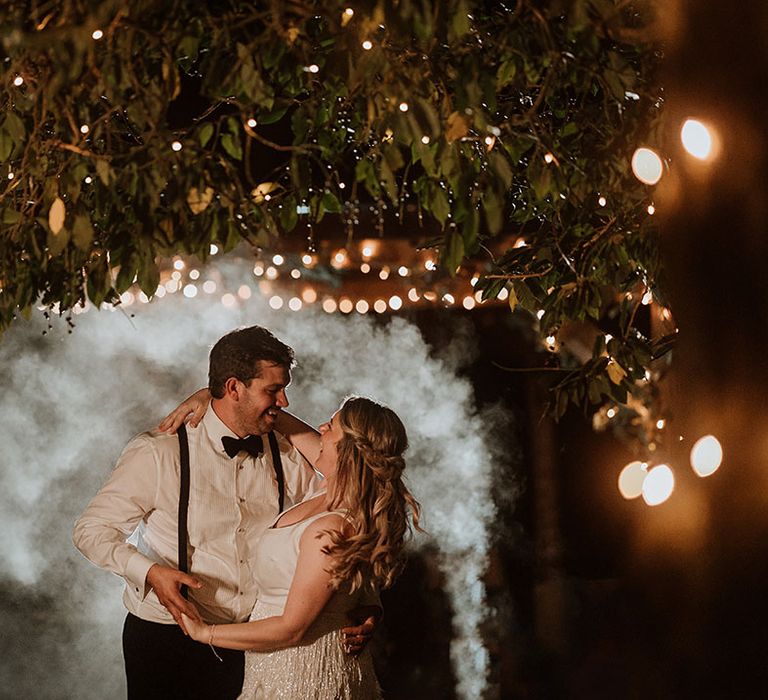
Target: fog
<point x="70" y="402"/>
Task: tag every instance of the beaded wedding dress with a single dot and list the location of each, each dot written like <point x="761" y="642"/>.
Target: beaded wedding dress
<point x="318" y="668"/>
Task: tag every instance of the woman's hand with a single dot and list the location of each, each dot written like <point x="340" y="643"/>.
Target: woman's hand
<point x="191" y="411"/>
<point x="197" y="629"/>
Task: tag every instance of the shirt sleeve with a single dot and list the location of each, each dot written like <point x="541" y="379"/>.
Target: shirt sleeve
<point x="301" y="479"/>
<point x="126" y="498"/>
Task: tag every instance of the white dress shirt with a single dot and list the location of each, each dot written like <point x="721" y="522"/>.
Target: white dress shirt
<point x="231" y="502"/>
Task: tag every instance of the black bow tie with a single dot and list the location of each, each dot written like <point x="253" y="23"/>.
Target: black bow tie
<point x="253" y="445"/>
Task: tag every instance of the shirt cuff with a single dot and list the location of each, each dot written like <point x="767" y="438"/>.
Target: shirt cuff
<point x="136" y="573"/>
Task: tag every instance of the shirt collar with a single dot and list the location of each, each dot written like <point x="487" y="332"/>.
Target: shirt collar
<point x="215" y="429"/>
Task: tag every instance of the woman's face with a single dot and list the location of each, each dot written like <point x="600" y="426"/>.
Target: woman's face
<point x="330" y="434"/>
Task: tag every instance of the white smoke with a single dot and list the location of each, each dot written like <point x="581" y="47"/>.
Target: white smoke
<point x="70" y="402"/>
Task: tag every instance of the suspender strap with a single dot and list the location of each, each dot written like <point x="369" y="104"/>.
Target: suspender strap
<point x="183" y="501"/>
<point x="277" y="463"/>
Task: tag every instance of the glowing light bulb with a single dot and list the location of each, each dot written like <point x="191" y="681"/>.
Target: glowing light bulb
<point x="84" y="129"/>
<point x="278" y="259"/>
<point x="126" y="298"/>
<point x="696" y="138"/>
<point x="602" y="201"/>
<point x="660" y="423"/>
<point x="367" y="251"/>
<point x="403" y="106"/>
<point x="190" y="291"/>
<point x="309" y="295"/>
<point x="611" y="412"/>
<point x="296" y="274"/>
<point x="329" y="306"/>
<point x="209" y="286"/>
<point x="228" y="300"/>
<point x="349" y="12"/>
<point x="647" y="298"/>
<point x="271" y="273"/>
<point x="365" y="268"/>
<point x="413" y="295"/>
<point x="276" y="302"/>
<point x="706" y="455"/>
<point x="402" y="271"/>
<point x="11" y="176"/>
<point x="294" y="304"/>
<point x="468" y="302"/>
<point x="88" y="180"/>
<point x="448" y="299"/>
<point x="306" y="259"/>
<point x="213" y="249"/>
<point x="631" y="479"/>
<point x="651" y="210"/>
<point x="178" y="264"/>
<point x="362" y="306"/>
<point x="244" y="291"/>
<point x="176" y="146"/>
<point x="18" y="81"/>
<point x="252" y="123"/>
<point x="98" y="34"/>
<point x="647" y="166"/>
<point x="194" y="274"/>
<point x="346" y="305"/>
<point x="314" y="68"/>
<point x="379" y="306"/>
<point x="658" y="485"/>
<point x="258" y="270"/>
<point x="384" y="273"/>
<point x="367" y="45"/>
<point x="425" y="139"/>
<point x="548" y="157"/>
<point x="395" y="302"/>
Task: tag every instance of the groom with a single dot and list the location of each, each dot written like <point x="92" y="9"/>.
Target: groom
<point x="233" y="495"/>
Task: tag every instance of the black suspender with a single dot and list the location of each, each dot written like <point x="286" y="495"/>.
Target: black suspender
<point x="277" y="463"/>
<point x="183" y="501"/>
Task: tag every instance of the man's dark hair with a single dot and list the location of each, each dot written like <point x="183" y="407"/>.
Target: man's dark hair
<point x="237" y="355"/>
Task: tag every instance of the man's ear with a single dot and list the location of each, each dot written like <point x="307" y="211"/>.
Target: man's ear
<point x="232" y="388"/>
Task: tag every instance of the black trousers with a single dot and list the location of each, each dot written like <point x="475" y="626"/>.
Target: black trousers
<point x="161" y="663"/>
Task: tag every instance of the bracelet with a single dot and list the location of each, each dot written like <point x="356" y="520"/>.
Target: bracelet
<point x="210" y="643"/>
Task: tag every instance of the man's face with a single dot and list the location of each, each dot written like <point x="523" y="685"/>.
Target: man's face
<point x="263" y="398"/>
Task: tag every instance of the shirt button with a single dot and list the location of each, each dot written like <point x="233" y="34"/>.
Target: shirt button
<point x="240" y="467"/>
<point x="242" y="500"/>
<point x="242" y="561"/>
<point x="240" y="529"/>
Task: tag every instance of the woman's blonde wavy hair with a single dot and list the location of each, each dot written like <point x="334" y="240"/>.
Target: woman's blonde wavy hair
<point x="369" y="485"/>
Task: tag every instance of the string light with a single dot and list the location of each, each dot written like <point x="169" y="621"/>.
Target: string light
<point x="403" y="271"/>
<point x="18" y="81"/>
<point x="294" y="304"/>
<point x="309" y="295"/>
<point x="178" y="265"/>
<point x="365" y="268"/>
<point x="295" y="273"/>
<point x="380" y="306"/>
<point x="175" y="275"/>
<point x="631" y="479"/>
<point x="276" y="302"/>
<point x="658" y="485"/>
<point x="88" y="180"/>
<point x="84" y="129"/>
<point x="468" y="302"/>
<point x="306" y="259"/>
<point x="213" y="249"/>
<point x="271" y="273"/>
<point x="696" y="138"/>
<point x="11" y="176"/>
<point x="384" y="273"/>
<point x="367" y="45"/>
<point x="425" y="139"/>
<point x="258" y="270"/>
<point x="329" y="305"/>
<point x="706" y="455"/>
<point x="98" y="34"/>
<point x="548" y="157"/>
<point x="651" y="210"/>
<point x="362" y="306"/>
<point x="278" y="259"/>
<point x="209" y="286"/>
<point x="252" y="123"/>
<point x="346" y="305"/>
<point x="228" y="300"/>
<point x="314" y="68"/>
<point x="244" y="291"/>
<point x="403" y="106"/>
<point x="448" y="299"/>
<point x="190" y="291"/>
<point x="349" y="12"/>
<point x="194" y="274"/>
<point x="647" y="166"/>
<point x="395" y="302"/>
<point x="413" y="295"/>
<point x="176" y="146"/>
<point x="602" y="201"/>
<point x="126" y="298"/>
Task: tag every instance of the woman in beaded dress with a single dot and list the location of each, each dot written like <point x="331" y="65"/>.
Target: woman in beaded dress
<point x="320" y="556"/>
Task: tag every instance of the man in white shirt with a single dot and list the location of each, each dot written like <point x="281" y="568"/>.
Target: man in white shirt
<point x="233" y="497"/>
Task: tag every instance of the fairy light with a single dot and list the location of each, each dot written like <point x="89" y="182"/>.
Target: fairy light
<point x="190" y="291"/>
<point x="295" y="273"/>
<point x="306" y="259"/>
<point x="468" y="302"/>
<point x="425" y="139"/>
<point x="540" y="314"/>
<point x="706" y="455"/>
<point x="314" y="68"/>
<point x="209" y="286"/>
<point x="448" y="299"/>
<point x="660" y="423"/>
<point x="474" y="280"/>
<point x="213" y="249"/>
<point x="658" y="485"/>
<point x="611" y="412"/>
<point x="631" y="479"/>
<point x="479" y="296"/>
<point x="548" y="157"/>
<point x="244" y="291"/>
<point x="178" y="265"/>
<point x="278" y="259"/>
<point x="329" y="305"/>
<point x="194" y="274"/>
<point x="430" y="265"/>
<point x="340" y="257"/>
<point x="346" y="305"/>
<point x="550" y="340"/>
<point x="395" y="302"/>
<point x="126" y="298"/>
<point x="367" y="45"/>
<point x="403" y="271"/>
<point x="252" y="123"/>
<point x="651" y="210"/>
<point x="413" y="295"/>
<point x="176" y="275"/>
<point x="276" y="302"/>
<point x="84" y="129"/>
<point x="143" y="298"/>
<point x="489" y="140"/>
<point x="294" y="304"/>
<point x="97" y="34"/>
<point x="309" y="295"/>
<point x="366" y="251"/>
<point x="503" y="294"/>
<point x="602" y="201"/>
<point x="258" y="270"/>
<point x="403" y="106"/>
<point x="647" y="166"/>
<point x="696" y="138"/>
<point x="384" y="273"/>
<point x="171" y="286"/>
<point x="647" y="298"/>
<point x="18" y="81"/>
<point x="362" y="306"/>
<point x="430" y="295"/>
<point x="11" y="175"/>
<point x="349" y="12"/>
<point x="88" y="180"/>
<point x="365" y="268"/>
<point x="176" y="146"/>
<point x="271" y="273"/>
<point x="379" y="306"/>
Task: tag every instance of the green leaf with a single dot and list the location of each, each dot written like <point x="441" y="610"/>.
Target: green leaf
<point x="6" y="145"/>
<point x="330" y="203"/>
<point x="493" y="206"/>
<point x="501" y="168"/>
<point x="205" y="133"/>
<point x="14" y="126"/>
<point x="82" y="232"/>
<point x="272" y="117"/>
<point x="231" y="145"/>
<point x="453" y="252"/>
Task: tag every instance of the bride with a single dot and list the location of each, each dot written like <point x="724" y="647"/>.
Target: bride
<point x="321" y="556"/>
